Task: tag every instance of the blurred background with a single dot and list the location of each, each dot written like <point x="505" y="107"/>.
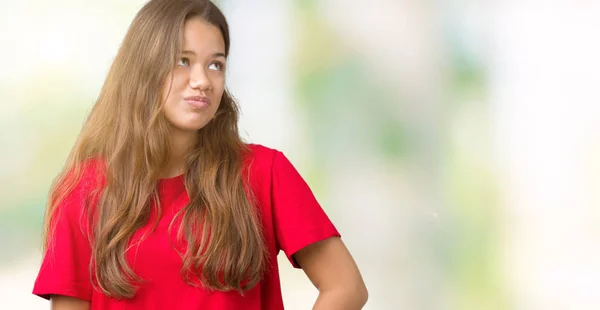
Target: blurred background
<point x="455" y="144"/>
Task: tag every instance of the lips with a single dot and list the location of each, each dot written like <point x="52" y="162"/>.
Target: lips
<point x="197" y="102"/>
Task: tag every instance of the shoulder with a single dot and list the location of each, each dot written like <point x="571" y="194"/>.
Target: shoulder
<point x="268" y="164"/>
<point x="77" y="191"/>
<point x="263" y="158"/>
<point x="82" y="180"/>
<point x="263" y="163"/>
<point x="258" y="152"/>
<point x="259" y="161"/>
<point x="92" y="173"/>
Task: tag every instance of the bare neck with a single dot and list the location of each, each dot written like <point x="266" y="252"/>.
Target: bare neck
<point x="181" y="143"/>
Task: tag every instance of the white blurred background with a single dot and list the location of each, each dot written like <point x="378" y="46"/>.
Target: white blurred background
<point x="455" y="144"/>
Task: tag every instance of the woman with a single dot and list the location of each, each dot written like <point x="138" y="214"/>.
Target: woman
<point x="162" y="206"/>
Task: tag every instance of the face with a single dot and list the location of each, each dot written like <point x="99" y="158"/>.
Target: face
<point x="193" y="90"/>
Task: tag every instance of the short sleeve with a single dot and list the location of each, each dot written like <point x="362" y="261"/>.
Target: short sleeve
<point x="299" y="219"/>
<point x="65" y="266"/>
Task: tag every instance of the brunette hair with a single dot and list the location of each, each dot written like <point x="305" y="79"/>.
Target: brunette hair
<point x="127" y="129"/>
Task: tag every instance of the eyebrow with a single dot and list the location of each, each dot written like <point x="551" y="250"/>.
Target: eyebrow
<point x="215" y="55"/>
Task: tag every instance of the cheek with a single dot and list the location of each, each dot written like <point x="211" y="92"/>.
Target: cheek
<point x="174" y="85"/>
<point x="218" y="88"/>
<point x="166" y="88"/>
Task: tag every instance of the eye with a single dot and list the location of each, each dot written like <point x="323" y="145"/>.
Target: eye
<point x="216" y="66"/>
<point x="183" y="62"/>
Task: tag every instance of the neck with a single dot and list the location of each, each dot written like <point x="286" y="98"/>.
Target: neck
<point x="181" y="143"/>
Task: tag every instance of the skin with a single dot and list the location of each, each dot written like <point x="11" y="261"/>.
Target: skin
<point x="200" y="71"/>
<point x="332" y="270"/>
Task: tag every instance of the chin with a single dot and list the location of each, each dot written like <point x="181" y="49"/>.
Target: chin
<point x="190" y="127"/>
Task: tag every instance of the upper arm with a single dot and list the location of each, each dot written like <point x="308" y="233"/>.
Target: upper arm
<point x="298" y="218"/>
<point x="306" y="234"/>
<point x="65" y="266"/>
<point x="330" y="266"/>
<point x="60" y="302"/>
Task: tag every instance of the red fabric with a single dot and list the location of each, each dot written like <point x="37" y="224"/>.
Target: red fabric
<point x="291" y="218"/>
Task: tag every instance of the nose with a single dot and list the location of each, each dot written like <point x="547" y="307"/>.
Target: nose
<point x="199" y="79"/>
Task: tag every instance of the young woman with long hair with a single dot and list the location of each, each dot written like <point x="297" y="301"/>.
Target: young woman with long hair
<point x="161" y="205"/>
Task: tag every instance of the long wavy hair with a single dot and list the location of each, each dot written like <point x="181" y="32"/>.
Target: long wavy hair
<point x="128" y="131"/>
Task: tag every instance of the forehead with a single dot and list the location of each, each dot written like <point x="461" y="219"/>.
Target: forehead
<point x="201" y="37"/>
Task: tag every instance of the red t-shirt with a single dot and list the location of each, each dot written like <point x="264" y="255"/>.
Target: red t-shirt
<point x="291" y="218"/>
